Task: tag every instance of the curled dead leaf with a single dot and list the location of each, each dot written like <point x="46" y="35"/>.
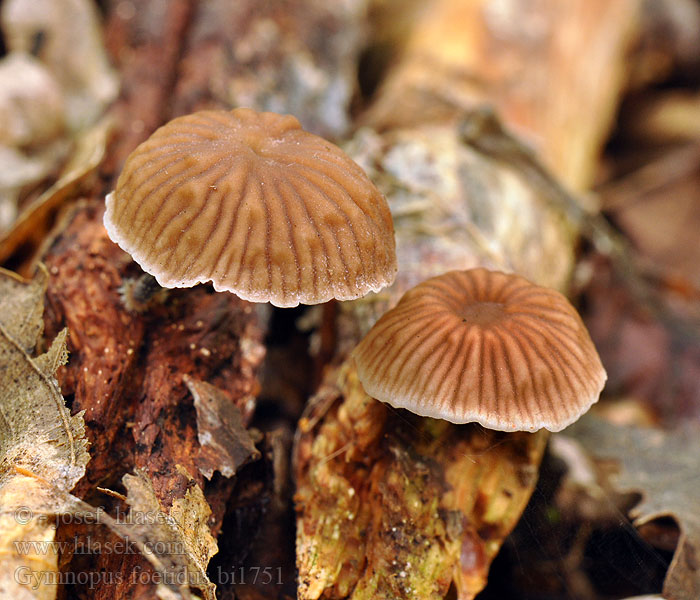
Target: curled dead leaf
<point x="226" y="444"/>
<point x="30" y="232"/>
<point x="176" y="542"/>
<point x="663" y="466"/>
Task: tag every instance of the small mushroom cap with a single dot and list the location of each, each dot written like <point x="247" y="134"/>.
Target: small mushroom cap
<point x="483" y="346"/>
<point x="256" y="205"/>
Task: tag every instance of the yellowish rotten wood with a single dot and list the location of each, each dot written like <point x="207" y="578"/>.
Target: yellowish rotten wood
<point x="392" y="505"/>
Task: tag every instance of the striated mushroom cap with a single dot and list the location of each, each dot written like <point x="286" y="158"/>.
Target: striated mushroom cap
<point x="256" y="205"/>
<point x="483" y="346"/>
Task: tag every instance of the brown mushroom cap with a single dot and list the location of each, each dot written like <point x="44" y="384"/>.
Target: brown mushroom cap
<point x="255" y="204"/>
<point x="483" y="346"/>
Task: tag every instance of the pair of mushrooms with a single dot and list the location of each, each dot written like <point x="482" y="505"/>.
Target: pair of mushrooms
<point x="261" y="208"/>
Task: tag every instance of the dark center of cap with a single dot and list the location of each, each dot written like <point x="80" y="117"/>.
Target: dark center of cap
<point x="482" y="313"/>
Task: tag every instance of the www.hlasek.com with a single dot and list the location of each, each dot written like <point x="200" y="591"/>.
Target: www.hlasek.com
<point x="88" y="545"/>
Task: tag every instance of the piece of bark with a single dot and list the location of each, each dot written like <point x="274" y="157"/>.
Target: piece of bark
<point x="126" y="369"/>
<point x="293" y="56"/>
<point x="542" y="65"/>
<point x="455" y="207"/>
<point x="225" y="443"/>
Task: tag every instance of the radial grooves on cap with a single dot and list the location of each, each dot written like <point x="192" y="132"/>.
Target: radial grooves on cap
<point x="255" y="204"/>
<point x="483" y="346"/>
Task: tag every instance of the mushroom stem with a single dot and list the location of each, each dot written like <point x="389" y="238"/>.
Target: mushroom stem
<point x="137" y="293"/>
<point x="329" y="338"/>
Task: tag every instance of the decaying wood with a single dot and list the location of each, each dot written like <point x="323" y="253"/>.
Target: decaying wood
<point x="392" y="505"/>
<point x="542" y="65"/>
<point x="385" y="508"/>
<point x="295" y="57"/>
<point x="127" y="368"/>
<point x="122" y="361"/>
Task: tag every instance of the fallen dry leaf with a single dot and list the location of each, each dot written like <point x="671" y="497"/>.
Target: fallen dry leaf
<point x="42" y="447"/>
<point x="226" y="444"/>
<point x="177" y="542"/>
<point x="30" y="232"/>
<point x="663" y="466"/>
